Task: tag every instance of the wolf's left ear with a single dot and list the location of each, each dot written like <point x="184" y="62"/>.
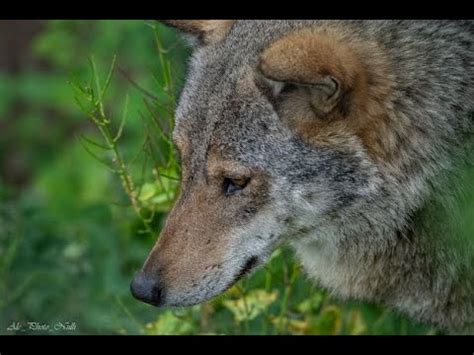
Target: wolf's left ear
<point x="202" y="31"/>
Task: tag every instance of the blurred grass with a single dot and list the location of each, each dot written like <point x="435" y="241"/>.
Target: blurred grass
<point x="70" y="238"/>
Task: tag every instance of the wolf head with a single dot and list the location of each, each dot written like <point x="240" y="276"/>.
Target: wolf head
<point x="283" y="134"/>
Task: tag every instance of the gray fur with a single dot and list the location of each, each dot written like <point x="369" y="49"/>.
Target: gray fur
<point x="363" y="229"/>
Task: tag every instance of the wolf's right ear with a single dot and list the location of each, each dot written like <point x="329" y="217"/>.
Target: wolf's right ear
<point x="324" y="90"/>
<point x="202" y="32"/>
<point x="321" y="64"/>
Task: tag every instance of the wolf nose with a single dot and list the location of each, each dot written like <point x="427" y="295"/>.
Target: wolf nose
<point x="147" y="289"/>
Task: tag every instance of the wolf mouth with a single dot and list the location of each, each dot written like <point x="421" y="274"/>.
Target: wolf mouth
<point x="248" y="266"/>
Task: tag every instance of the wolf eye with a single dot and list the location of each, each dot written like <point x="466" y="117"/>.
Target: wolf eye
<point x="288" y="88"/>
<point x="231" y="186"/>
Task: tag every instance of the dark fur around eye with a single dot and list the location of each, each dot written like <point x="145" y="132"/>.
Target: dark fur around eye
<point x="288" y="88"/>
<point x="232" y="186"/>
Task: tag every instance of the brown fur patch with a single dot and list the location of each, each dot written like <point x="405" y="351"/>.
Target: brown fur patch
<point x="194" y="237"/>
<point x="363" y="72"/>
<point x="211" y="31"/>
<point x="195" y="240"/>
<point x="256" y="191"/>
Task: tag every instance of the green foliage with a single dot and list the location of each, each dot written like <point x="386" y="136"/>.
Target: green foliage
<point x="71" y="240"/>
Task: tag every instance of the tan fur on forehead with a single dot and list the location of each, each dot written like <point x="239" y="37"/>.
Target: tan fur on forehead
<point x="213" y="31"/>
<point x="218" y="167"/>
<point x="363" y="70"/>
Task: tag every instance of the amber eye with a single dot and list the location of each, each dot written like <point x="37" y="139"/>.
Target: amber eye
<point x="232" y="186"/>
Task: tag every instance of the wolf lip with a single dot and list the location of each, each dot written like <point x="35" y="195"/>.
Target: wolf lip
<point x="248" y="266"/>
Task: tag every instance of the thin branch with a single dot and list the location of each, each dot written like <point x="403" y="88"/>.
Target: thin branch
<point x="136" y="85"/>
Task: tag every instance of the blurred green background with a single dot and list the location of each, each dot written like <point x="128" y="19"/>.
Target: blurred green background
<point x="70" y="238"/>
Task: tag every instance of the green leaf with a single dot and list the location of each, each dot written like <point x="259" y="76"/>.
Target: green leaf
<point x="251" y="305"/>
<point x="169" y="324"/>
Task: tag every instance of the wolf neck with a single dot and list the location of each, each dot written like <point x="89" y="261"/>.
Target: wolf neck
<point x="425" y="271"/>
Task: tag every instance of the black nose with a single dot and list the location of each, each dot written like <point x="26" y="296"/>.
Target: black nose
<point x="147" y="289"/>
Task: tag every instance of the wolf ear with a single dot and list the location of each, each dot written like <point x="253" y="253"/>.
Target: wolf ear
<point x="324" y="90"/>
<point x="202" y="31"/>
<point x="317" y="63"/>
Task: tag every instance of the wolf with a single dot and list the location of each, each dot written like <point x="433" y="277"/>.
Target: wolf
<point x="344" y="139"/>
